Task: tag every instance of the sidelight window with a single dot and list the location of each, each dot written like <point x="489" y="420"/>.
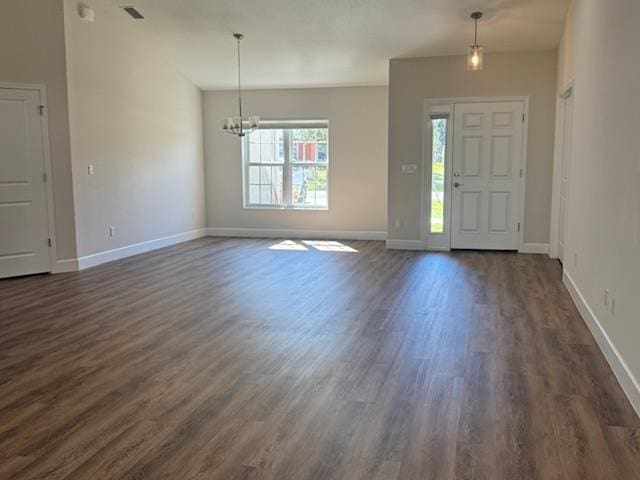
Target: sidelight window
<point x="438" y="155"/>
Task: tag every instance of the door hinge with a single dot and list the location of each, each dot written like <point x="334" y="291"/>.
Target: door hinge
<point x="523" y="115"/>
<point x="41" y="110"/>
<point x="44" y="177"/>
<point x="49" y="243"/>
<point x="520" y="173"/>
<point x="518" y="226"/>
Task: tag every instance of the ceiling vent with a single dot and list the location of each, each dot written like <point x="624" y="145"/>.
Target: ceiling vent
<point x="135" y="14"/>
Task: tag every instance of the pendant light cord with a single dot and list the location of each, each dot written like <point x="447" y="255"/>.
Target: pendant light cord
<point x="476" y="16"/>
<point x="236" y="125"/>
<point x="239" y="86"/>
<point x="475" y="41"/>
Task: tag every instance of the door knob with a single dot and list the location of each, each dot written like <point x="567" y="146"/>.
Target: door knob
<point x="457" y="184"/>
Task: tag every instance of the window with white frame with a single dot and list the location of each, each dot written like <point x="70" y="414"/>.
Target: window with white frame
<point x="438" y="157"/>
<point x="286" y="165"/>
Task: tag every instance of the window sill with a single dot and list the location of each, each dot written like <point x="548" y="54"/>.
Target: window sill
<point x="296" y="209"/>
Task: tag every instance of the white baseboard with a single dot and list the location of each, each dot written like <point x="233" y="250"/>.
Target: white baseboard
<point x="540" y="248"/>
<point x="625" y="377"/>
<point x="306" y="234"/>
<point x="394" y="244"/>
<point x="137" y="248"/>
<point x="66" y="265"/>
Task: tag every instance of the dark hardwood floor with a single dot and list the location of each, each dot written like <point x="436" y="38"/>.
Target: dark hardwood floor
<point x="225" y="359"/>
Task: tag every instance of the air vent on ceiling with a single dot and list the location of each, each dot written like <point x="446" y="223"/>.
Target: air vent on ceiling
<point x="133" y="13"/>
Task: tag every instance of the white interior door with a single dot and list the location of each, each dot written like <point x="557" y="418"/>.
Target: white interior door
<point x="487" y="151"/>
<point x="24" y="230"/>
<point x="564" y="174"/>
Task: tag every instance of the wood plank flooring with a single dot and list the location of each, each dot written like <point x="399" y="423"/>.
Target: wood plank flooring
<point x="226" y="359"/>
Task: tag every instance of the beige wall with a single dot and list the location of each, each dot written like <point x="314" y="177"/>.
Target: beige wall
<point x="516" y="74"/>
<point x="600" y="52"/>
<point x="358" y="147"/>
<point x="32" y="50"/>
<point x="140" y="124"/>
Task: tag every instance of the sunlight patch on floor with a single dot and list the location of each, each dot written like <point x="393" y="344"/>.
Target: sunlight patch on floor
<point x="288" y="245"/>
<point x="329" y="246"/>
<point x="321" y="245"/>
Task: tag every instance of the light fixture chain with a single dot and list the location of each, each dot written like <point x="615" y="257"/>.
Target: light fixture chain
<point x="239" y="87"/>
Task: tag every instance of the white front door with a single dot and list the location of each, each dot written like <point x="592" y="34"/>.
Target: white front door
<point x="24" y="229"/>
<point x="487" y="155"/>
<point x="564" y="174"/>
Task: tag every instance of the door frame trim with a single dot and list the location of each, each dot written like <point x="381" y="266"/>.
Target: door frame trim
<point x="435" y="106"/>
<point x="44" y="122"/>
<point x="554" y="236"/>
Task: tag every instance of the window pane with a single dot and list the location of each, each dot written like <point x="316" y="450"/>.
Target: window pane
<point x="310" y="152"/>
<point x="266" y="136"/>
<point x="254" y="152"/>
<point x="299" y="134"/>
<point x="277" y="186"/>
<point x="319" y="185"/>
<point x="266" y="146"/>
<point x="266" y="185"/>
<point x="266" y="153"/>
<point x="438" y="155"/>
<point x="323" y="154"/>
<point x="254" y="137"/>
<point x="265" y="176"/>
<point x="280" y="151"/>
<point x="298" y="188"/>
<point x="301" y="151"/>
<point x="309" y="186"/>
<point x="254" y="175"/>
<point x="309" y="145"/>
<point x="265" y="195"/>
<point x="254" y="194"/>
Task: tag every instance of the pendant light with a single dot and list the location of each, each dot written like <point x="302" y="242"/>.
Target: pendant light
<point x="240" y="125"/>
<point x="475" y="56"/>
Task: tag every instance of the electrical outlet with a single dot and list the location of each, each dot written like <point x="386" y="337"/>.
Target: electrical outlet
<point x="398" y="223"/>
<point x="112" y="231"/>
<point x="91" y="170"/>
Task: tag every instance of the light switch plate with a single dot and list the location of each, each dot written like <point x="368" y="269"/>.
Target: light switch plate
<point x="409" y="168"/>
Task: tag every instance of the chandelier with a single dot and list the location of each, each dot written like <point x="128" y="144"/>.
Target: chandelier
<point x="240" y="125"/>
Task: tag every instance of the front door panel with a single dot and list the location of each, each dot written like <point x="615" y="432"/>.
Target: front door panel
<point x="487" y="144"/>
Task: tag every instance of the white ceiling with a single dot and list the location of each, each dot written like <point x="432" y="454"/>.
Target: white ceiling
<point x="302" y="43"/>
